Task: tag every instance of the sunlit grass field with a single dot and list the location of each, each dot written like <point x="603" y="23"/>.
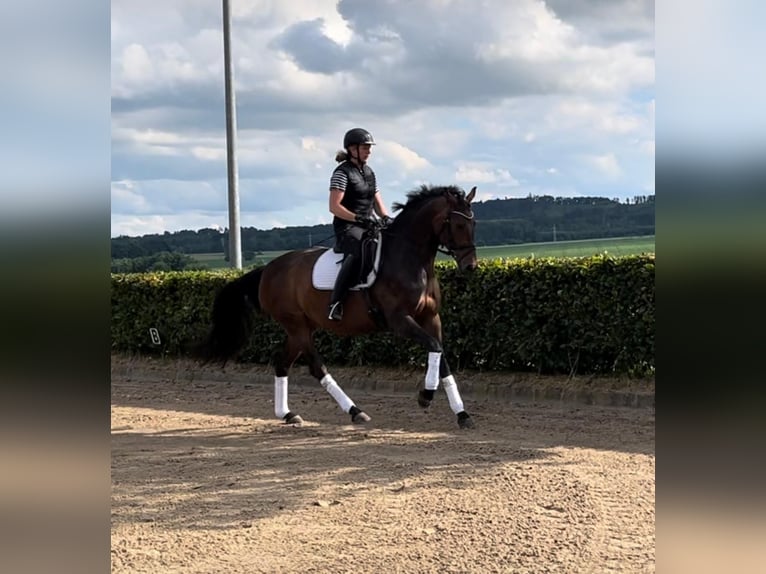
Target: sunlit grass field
<point x="616" y="246"/>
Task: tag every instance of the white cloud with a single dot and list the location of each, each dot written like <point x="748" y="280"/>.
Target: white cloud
<point x="615" y="69"/>
<point x="123" y="197"/>
<point x="528" y="31"/>
<point x="135" y="226"/>
<point x="483" y="195"/>
<point x="208" y="153"/>
<point x="136" y="64"/>
<point x="402" y="157"/>
<point x="601" y="116"/>
<point x="148" y="137"/>
<point x="308" y="144"/>
<point x="648" y="147"/>
<point x="532" y="85"/>
<point x="337" y="29"/>
<point x="607" y="164"/>
<point x="478" y="173"/>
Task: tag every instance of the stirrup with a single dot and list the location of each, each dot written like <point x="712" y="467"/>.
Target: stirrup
<point x="336" y="311"/>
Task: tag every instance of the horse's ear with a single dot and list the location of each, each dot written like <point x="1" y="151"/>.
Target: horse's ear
<point x="470" y="196"/>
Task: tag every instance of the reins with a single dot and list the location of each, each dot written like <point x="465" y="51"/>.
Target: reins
<point x="313" y="243"/>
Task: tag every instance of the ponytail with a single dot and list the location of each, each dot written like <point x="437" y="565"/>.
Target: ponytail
<point x="342" y="155"/>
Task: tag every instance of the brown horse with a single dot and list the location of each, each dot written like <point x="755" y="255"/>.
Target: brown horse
<point x="405" y="294"/>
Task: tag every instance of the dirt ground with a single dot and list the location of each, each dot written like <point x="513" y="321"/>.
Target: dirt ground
<point x="205" y="480"/>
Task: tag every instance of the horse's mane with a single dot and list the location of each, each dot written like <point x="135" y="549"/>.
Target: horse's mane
<point x="420" y="195"/>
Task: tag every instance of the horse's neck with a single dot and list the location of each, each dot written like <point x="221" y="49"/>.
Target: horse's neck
<point x="413" y="241"/>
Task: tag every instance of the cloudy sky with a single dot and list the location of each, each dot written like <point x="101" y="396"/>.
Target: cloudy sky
<point x="515" y="96"/>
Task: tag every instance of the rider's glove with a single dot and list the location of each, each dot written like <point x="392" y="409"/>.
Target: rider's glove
<point x="365" y="221"/>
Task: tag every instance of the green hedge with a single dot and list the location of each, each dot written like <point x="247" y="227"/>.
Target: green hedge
<point x="575" y="315"/>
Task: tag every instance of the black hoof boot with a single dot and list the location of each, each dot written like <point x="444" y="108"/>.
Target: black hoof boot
<point x="358" y="416"/>
<point x="464" y="420"/>
<point x="425" y="396"/>
<point x="292" y="419"/>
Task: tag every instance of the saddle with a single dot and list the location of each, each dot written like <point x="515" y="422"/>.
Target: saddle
<point x="327" y="266"/>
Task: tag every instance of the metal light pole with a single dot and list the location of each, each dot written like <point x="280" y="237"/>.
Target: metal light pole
<point x="235" y="232"/>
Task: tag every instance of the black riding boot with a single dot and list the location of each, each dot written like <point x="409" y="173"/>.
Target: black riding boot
<point x="346" y="279"/>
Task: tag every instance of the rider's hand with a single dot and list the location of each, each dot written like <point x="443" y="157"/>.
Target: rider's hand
<point x="386" y="220"/>
<point x="365" y="221"/>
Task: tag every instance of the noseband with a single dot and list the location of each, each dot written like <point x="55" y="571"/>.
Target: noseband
<point x="451" y="247"/>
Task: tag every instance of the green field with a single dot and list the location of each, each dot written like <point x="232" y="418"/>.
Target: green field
<point x="581" y="248"/>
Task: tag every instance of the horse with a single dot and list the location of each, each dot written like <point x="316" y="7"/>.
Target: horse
<point x="405" y="296"/>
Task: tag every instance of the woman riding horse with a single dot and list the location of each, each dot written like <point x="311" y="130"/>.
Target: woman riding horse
<point x="405" y="294"/>
<point x="354" y="193"/>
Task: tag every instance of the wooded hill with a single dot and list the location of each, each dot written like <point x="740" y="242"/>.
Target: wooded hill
<point x="499" y="222"/>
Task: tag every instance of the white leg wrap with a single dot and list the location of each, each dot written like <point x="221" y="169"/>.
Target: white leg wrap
<point x="432" y="374"/>
<point x="280" y="397"/>
<point x="455" y="402"/>
<point x="337" y="393"/>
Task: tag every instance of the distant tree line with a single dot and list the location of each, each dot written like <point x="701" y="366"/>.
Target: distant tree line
<point x="500" y="222"/>
<point x="544" y="218"/>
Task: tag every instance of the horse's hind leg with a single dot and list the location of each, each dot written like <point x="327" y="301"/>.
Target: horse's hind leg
<point x="318" y="370"/>
<point x="283" y="360"/>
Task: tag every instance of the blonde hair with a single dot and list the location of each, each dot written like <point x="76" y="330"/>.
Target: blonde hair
<point x="342" y="155"/>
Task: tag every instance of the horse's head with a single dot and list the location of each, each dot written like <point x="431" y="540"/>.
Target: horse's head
<point x="456" y="232"/>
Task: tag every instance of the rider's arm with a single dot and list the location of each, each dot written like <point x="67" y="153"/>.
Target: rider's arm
<point x="380" y="207"/>
<point x="336" y="196"/>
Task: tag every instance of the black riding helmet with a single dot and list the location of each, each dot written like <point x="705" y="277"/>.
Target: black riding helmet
<point x="357" y="136"/>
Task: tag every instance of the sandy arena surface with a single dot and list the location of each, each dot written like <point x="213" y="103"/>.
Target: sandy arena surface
<point x="205" y="480"/>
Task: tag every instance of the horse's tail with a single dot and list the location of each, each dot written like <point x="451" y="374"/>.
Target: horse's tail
<point x="232" y="318"/>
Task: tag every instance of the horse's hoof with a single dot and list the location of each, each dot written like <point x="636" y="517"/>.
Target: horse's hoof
<point x="425" y="397"/>
<point x="292" y="419"/>
<point x="360" y="418"/>
<point x="464" y="421"/>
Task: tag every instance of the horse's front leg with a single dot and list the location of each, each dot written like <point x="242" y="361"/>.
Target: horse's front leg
<point x="429" y="334"/>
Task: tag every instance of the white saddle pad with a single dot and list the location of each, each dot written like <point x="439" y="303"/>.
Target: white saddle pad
<point x="327" y="266"/>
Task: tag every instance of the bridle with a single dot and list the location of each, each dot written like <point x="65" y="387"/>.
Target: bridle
<point x="451" y="248"/>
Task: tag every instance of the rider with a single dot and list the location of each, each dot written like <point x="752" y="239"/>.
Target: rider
<point x="354" y="194"/>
